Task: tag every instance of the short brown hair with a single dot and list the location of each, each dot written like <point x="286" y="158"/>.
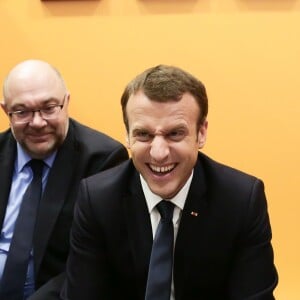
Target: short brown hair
<point x="166" y="83"/>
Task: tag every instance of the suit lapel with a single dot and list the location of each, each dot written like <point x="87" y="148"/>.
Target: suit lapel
<point x="55" y="195"/>
<point x="191" y="223"/>
<point x="7" y="159"/>
<point x="139" y="231"/>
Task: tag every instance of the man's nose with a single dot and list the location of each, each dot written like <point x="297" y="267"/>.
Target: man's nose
<point x="37" y="119"/>
<point x="159" y="148"/>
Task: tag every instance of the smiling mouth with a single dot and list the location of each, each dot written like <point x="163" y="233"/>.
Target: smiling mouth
<point x="39" y="136"/>
<point x="162" y="170"/>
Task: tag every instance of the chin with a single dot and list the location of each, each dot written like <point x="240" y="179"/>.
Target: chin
<point x="40" y="152"/>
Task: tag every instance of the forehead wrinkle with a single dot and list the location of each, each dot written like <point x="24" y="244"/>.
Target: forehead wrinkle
<point x="31" y="103"/>
<point x="143" y="111"/>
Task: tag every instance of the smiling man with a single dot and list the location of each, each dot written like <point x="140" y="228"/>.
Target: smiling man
<point x="171" y="223"/>
<point x="36" y="103"/>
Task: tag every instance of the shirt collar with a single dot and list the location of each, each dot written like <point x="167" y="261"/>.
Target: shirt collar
<point x="23" y="158"/>
<point x="152" y="199"/>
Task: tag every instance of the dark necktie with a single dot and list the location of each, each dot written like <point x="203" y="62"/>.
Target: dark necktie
<point x="161" y="260"/>
<point x="15" y="270"/>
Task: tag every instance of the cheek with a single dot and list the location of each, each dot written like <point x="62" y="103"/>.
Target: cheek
<point x="61" y="127"/>
<point x="127" y="143"/>
<point x="139" y="150"/>
<point x="188" y="147"/>
<point x="17" y="132"/>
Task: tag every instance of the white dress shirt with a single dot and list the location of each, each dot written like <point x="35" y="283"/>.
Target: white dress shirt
<point x="179" y="200"/>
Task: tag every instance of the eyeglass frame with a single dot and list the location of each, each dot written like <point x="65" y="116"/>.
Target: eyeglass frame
<point x="12" y="113"/>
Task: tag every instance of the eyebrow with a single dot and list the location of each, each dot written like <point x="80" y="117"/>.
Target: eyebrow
<point x="139" y="129"/>
<point x="19" y="106"/>
<point x="164" y="131"/>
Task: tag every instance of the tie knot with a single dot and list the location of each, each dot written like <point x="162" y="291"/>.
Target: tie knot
<point x="36" y="166"/>
<point x="165" y="209"/>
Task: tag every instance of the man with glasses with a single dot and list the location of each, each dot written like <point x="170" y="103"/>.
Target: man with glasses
<point x="36" y="102"/>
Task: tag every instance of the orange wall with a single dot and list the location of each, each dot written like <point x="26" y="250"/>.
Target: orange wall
<point x="245" y="51"/>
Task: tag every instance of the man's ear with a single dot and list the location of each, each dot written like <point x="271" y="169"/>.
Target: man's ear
<point x="68" y="96"/>
<point x="202" y="134"/>
<point x="3" y="106"/>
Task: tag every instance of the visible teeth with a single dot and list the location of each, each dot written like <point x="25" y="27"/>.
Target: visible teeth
<point x="162" y="169"/>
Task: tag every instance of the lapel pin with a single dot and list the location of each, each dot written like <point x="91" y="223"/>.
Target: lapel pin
<point x="194" y="214"/>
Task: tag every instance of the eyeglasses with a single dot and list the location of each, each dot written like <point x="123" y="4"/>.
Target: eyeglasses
<point x="48" y="112"/>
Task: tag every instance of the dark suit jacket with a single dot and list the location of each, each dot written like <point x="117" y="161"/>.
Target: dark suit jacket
<point x="223" y="253"/>
<point x="83" y="153"/>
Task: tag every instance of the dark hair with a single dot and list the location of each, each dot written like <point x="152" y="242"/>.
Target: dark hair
<point x="166" y="83"/>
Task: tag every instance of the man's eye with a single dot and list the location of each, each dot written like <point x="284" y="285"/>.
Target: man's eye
<point x="176" y="135"/>
<point x="22" y="113"/>
<point x="49" y="109"/>
<point x="143" y="136"/>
